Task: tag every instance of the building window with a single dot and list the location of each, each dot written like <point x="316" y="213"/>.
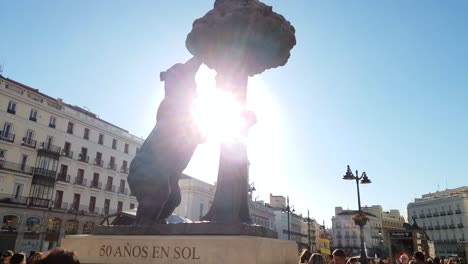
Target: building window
<point x="126" y="148"/>
<point x="132" y="206"/>
<point x="109" y="183"/>
<point x="52" y="121"/>
<point x="11" y="107"/>
<point x="53" y="225"/>
<point x="58" y="200"/>
<point x="33" y="115"/>
<point x="76" y="202"/>
<point x="124" y="168"/>
<point x="95" y="182"/>
<point x="87" y="227"/>
<point x="106" y="206"/>
<point x="7" y="133"/>
<point x="92" y="204"/>
<point x="86" y="134"/>
<point x="119" y="206"/>
<point x="114" y="143"/>
<point x="70" y="128"/>
<point x="101" y="139"/>
<point x="201" y="210"/>
<point x="71" y="227"/>
<point x="122" y="186"/>
<point x="33" y="224"/>
<point x="80" y="177"/>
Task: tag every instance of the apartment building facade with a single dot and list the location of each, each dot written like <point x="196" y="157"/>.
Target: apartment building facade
<point x="444" y="217"/>
<point x="62" y="168"/>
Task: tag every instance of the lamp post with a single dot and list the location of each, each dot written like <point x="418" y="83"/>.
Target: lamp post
<point x="288" y="210"/>
<point x="309" y="221"/>
<point x="364" y="180"/>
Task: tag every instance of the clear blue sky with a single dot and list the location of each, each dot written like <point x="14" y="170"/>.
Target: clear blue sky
<point x="379" y="85"/>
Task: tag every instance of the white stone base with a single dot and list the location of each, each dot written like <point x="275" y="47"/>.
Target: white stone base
<point x="116" y="249"/>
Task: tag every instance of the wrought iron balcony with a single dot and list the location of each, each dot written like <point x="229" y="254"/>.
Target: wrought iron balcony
<point x="11" y="111"/>
<point x="13" y="199"/>
<point x="112" y="166"/>
<point x="93" y="210"/>
<point x="46" y="147"/>
<point x="63" y="177"/>
<point x="435" y="214"/>
<point x="60" y="205"/>
<point x="99" y="162"/>
<point x="460" y="225"/>
<point x="80" y="181"/>
<point x="123" y="190"/>
<point x="83" y="158"/>
<point x="29" y="142"/>
<point x="449" y="212"/>
<point x="44" y="173"/>
<point x="67" y="154"/>
<point x="7" y="136"/>
<point x="452" y="226"/>
<point x="124" y="169"/>
<point x="15" y="167"/>
<point x="458" y="211"/>
<point x="437" y="227"/>
<point x="422" y="216"/>
<point x="34" y="119"/>
<point x="444" y="226"/>
<point x="443" y="213"/>
<point x="428" y="215"/>
<point x="96" y="185"/>
<point x="110" y="188"/>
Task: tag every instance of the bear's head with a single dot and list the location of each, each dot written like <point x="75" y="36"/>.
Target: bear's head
<point x="179" y="80"/>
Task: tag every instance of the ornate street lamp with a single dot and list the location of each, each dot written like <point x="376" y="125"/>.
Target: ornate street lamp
<point x="361" y="218"/>
<point x="308" y="220"/>
<point x="288" y="209"/>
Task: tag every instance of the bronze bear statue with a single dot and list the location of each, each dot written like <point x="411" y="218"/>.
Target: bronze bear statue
<point x="156" y="168"/>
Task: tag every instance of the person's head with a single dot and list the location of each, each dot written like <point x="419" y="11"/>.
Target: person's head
<point x="59" y="256"/>
<point x="352" y="261"/>
<point x="418" y="256"/>
<point x="404" y="259"/>
<point x="429" y="261"/>
<point x="18" y="258"/>
<point x="317" y="259"/>
<point x="436" y="260"/>
<point x="305" y="255"/>
<point x="7" y="253"/>
<point x="34" y="259"/>
<point x="412" y="261"/>
<point x="339" y="256"/>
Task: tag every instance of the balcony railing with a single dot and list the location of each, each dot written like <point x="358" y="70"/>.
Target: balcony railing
<point x="452" y="226"/>
<point x="93" y="210"/>
<point x="124" y="169"/>
<point x="13" y="199"/>
<point x="44" y="173"/>
<point x="458" y="211"/>
<point x="443" y="213"/>
<point x="7" y="136"/>
<point x="430" y="227"/>
<point x="67" y="154"/>
<point x="99" y="162"/>
<point x="80" y="181"/>
<point x="51" y="125"/>
<point x="435" y="214"/>
<point x="112" y="166"/>
<point x="422" y="216"/>
<point x="39" y="202"/>
<point x="63" y="177"/>
<point x="34" y="119"/>
<point x="107" y="211"/>
<point x="449" y="212"/>
<point x="15" y="167"/>
<point x="428" y="215"/>
<point x="83" y="158"/>
<point x="460" y="225"/>
<point x="444" y="226"/>
<point x="96" y="185"/>
<point x="61" y="206"/>
<point x="437" y="227"/>
<point x="11" y="111"/>
<point x="123" y="190"/>
<point x="47" y="147"/>
<point x="110" y="188"/>
<point x="29" y="142"/>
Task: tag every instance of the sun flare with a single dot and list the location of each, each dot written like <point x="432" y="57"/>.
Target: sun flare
<point x="219" y="116"/>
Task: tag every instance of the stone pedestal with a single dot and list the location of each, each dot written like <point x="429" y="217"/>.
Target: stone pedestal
<point x="196" y="249"/>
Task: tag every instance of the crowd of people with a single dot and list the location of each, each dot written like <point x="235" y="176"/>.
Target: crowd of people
<point x="339" y="257"/>
<point x="54" y="256"/>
